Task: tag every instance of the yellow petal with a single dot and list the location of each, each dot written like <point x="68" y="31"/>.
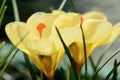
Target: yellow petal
<point x="94" y="15"/>
<point x="48" y="64"/>
<point x="67" y="20"/>
<point x="36" y="19"/>
<point x="13" y="31"/>
<point x="40" y="46"/>
<point x="77" y="50"/>
<point x="57" y="13"/>
<point x="96" y="30"/>
<point x="114" y="34"/>
<point x="68" y="34"/>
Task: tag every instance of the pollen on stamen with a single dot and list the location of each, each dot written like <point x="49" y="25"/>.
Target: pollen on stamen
<point x="40" y="28"/>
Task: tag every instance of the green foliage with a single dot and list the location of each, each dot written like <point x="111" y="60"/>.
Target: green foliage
<point x="2" y="11"/>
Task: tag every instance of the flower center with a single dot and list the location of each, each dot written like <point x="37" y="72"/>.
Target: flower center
<point x="40" y="28"/>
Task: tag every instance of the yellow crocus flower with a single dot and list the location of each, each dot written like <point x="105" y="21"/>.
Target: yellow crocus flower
<point x="98" y="31"/>
<point x="42" y="43"/>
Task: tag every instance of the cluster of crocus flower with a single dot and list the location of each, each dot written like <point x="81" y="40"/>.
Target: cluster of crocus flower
<point x="42" y="43"/>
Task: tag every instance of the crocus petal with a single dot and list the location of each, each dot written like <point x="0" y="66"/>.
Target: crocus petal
<point x="57" y="13"/>
<point x="41" y="17"/>
<point x="96" y="30"/>
<point x="77" y="51"/>
<point x="67" y="20"/>
<point x="94" y="15"/>
<point x="40" y="46"/>
<point x="48" y="64"/>
<point x="114" y="34"/>
<point x="68" y="34"/>
<point x="13" y="31"/>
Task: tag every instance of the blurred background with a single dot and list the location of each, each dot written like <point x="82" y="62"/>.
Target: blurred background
<point x="28" y="7"/>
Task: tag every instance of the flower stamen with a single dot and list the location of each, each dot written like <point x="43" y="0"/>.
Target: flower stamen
<point x="40" y="28"/>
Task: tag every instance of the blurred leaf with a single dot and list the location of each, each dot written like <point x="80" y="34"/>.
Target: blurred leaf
<point x="2" y="6"/>
<point x="115" y="71"/>
<point x="92" y="64"/>
<point x="68" y="54"/>
<point x="1" y="78"/>
<point x="33" y="75"/>
<point x="73" y="6"/>
<point x="112" y="71"/>
<point x="2" y="11"/>
<point x="62" y="5"/>
<point x="2" y="45"/>
<point x="2" y="16"/>
<point x="71" y="75"/>
<point x="94" y="75"/>
<point x="4" y="67"/>
<point x="63" y="73"/>
<point x="4" y="58"/>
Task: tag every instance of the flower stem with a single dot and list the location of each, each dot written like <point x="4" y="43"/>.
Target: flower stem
<point x="50" y="78"/>
<point x="84" y="44"/>
<point x="78" y="68"/>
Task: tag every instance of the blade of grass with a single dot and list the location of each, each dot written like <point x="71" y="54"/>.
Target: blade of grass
<point x="2" y="6"/>
<point x="85" y="52"/>
<point x="15" y="9"/>
<point x="62" y="5"/>
<point x="68" y="54"/>
<point x="110" y="73"/>
<point x="30" y="67"/>
<point x="3" y="69"/>
<point x="115" y="71"/>
<point x="2" y="16"/>
<point x="4" y="59"/>
<point x="73" y="6"/>
<point x="2" y="45"/>
<point x="94" y="75"/>
<point x="92" y="64"/>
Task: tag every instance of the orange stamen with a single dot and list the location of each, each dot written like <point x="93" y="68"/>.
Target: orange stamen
<point x="40" y="28"/>
<point x="81" y="20"/>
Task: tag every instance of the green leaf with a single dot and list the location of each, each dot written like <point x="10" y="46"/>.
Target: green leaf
<point x="112" y="71"/>
<point x="2" y="45"/>
<point x="94" y="75"/>
<point x="85" y="52"/>
<point x="4" y="58"/>
<point x="5" y="66"/>
<point x="2" y="16"/>
<point x="68" y="54"/>
<point x="73" y="6"/>
<point x="62" y="5"/>
<point x="115" y="71"/>
<point x="29" y="65"/>
<point x="92" y="64"/>
<point x="2" y="6"/>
